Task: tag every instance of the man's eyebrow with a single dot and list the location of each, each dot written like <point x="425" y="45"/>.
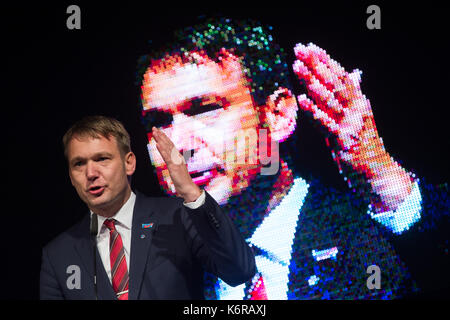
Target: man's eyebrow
<point x="76" y="159"/>
<point x="208" y="99"/>
<point x="103" y="153"/>
<point x="200" y="105"/>
<point x="96" y="155"/>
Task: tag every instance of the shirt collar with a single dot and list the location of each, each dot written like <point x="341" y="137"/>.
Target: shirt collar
<point x="124" y="216"/>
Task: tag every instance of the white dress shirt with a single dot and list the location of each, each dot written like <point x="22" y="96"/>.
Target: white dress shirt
<point x="124" y="218"/>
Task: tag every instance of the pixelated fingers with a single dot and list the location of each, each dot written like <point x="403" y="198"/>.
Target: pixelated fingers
<point x="327" y="108"/>
<point x="323" y="117"/>
<point x="334" y="90"/>
<point x="320" y="65"/>
<point x="327" y="81"/>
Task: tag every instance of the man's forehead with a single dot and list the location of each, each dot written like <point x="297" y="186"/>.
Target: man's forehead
<point x="184" y="81"/>
<point x="91" y="137"/>
<point x="85" y="143"/>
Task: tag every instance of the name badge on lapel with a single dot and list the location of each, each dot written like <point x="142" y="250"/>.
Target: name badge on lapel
<point x="146" y="226"/>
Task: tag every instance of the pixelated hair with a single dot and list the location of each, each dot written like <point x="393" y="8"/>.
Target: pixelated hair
<point x="264" y="62"/>
<point x="96" y="127"/>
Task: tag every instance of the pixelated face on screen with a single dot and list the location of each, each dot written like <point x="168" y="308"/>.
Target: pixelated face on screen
<point x="209" y="104"/>
<point x="205" y="106"/>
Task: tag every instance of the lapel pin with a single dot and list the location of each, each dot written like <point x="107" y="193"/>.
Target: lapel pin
<point x="147" y="225"/>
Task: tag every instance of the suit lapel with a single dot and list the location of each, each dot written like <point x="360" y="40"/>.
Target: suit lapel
<point x="141" y="238"/>
<point x="84" y="248"/>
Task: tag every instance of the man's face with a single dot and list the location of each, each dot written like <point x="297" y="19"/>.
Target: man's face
<point x="99" y="172"/>
<point x="210" y="105"/>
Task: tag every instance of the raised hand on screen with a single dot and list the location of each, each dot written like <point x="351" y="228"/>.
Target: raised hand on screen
<point x="340" y="106"/>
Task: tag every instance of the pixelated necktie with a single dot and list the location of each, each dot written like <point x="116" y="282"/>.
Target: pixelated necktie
<point x="119" y="270"/>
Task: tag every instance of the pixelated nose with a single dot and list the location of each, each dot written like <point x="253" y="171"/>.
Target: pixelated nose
<point x="185" y="129"/>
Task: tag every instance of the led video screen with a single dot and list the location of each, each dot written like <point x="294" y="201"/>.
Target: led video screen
<point x="223" y="92"/>
<point x="318" y="127"/>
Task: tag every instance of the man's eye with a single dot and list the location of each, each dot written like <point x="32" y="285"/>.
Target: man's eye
<point x="161" y="119"/>
<point x="196" y="108"/>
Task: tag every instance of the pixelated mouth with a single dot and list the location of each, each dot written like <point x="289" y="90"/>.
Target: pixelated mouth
<point x="204" y="177"/>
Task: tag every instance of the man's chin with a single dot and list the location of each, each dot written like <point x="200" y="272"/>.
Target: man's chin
<point x="98" y="202"/>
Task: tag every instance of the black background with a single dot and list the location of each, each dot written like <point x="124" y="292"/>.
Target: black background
<point x="54" y="76"/>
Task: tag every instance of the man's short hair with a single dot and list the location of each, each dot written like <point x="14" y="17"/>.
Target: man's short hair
<point x="96" y="127"/>
<point x="263" y="61"/>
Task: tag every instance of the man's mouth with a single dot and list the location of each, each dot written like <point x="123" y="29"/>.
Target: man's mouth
<point x="96" y="190"/>
<point x="202" y="178"/>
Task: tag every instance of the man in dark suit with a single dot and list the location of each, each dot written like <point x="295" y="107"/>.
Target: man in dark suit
<point x="145" y="248"/>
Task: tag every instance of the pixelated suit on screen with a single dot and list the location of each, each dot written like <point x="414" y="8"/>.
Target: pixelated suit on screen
<point x="318" y="242"/>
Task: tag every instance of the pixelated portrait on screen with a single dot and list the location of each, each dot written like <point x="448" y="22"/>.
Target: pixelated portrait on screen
<point x="223" y="92"/>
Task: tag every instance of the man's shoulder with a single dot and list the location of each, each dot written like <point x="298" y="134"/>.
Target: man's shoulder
<point x="159" y="202"/>
<point x="67" y="238"/>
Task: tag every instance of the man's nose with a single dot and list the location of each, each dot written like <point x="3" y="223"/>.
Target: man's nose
<point x="91" y="170"/>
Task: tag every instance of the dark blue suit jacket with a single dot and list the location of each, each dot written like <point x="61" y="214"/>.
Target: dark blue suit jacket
<point x="167" y="260"/>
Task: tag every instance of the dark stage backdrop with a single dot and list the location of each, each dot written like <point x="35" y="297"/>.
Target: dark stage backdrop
<point x="54" y="76"/>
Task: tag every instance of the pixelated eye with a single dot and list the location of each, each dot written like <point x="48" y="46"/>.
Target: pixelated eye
<point x="196" y="107"/>
<point x="161" y="119"/>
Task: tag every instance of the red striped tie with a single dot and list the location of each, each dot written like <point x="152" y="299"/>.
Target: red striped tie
<point x="119" y="270"/>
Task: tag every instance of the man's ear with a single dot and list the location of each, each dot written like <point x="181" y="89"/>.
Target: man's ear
<point x="130" y="163"/>
<point x="281" y="114"/>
